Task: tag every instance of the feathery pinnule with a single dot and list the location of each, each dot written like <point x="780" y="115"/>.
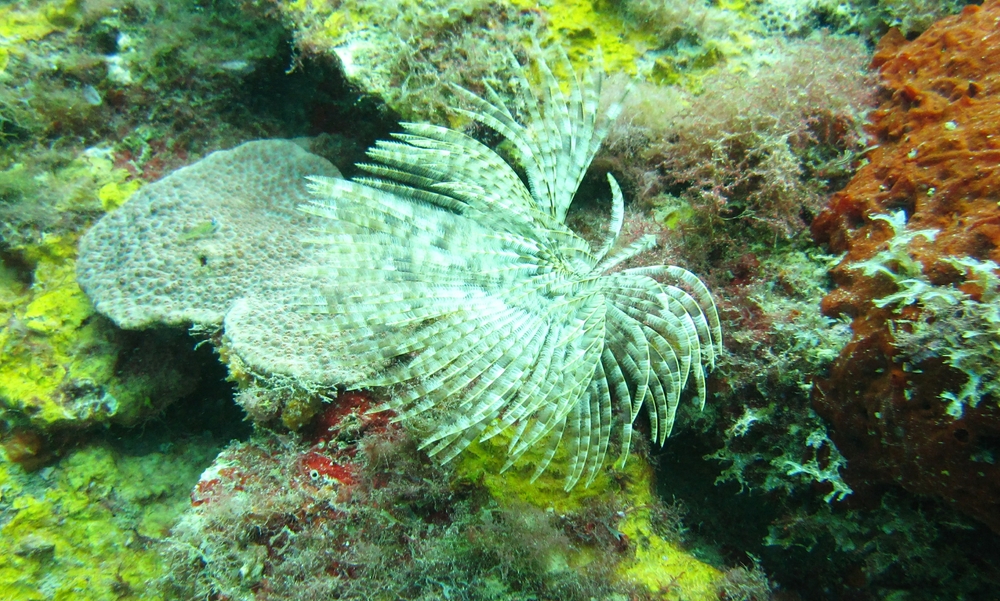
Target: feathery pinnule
<point x="488" y="312"/>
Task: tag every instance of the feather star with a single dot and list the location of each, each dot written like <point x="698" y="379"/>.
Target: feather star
<point x="484" y="312"/>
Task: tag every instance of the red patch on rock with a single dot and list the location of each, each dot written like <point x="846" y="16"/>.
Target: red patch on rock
<point x="938" y="159"/>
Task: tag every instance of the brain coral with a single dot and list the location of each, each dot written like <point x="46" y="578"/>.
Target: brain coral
<point x="937" y="163"/>
<point x="184" y="249"/>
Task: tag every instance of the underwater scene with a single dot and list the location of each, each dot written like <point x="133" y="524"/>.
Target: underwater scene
<point x="499" y="300"/>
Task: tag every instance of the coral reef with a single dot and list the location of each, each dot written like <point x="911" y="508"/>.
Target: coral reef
<point x="61" y="364"/>
<point x="99" y="99"/>
<point x="333" y="512"/>
<point x="426" y="277"/>
<point x="186" y="251"/>
<point x="89" y="526"/>
<point x="83" y="125"/>
<point x="919" y="227"/>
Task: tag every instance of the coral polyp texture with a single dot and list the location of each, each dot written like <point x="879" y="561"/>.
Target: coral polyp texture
<point x="183" y="250"/>
<point x="912" y="397"/>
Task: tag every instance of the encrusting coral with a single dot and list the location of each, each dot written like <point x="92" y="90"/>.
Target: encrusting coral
<point x="187" y="247"/>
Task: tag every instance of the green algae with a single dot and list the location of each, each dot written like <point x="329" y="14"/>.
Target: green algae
<point x="88" y="528"/>
<point x="660" y="565"/>
<point x="19" y="25"/>
<point x="60" y="363"/>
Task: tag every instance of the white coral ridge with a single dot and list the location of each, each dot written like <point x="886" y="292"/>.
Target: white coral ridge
<point x="486" y="312"/>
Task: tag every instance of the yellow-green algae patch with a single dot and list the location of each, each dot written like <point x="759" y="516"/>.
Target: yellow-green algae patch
<point x="88" y="527"/>
<point x="482" y="461"/>
<point x="19" y="24"/>
<point x="659" y="565"/>
<point x="46" y="340"/>
<point x="581" y="27"/>
<point x="60" y="361"/>
<point x="92" y="178"/>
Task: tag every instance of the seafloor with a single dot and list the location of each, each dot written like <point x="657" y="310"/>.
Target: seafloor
<point x="174" y="426"/>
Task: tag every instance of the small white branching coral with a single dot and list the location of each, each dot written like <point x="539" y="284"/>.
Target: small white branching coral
<point x="951" y="324"/>
<point x="482" y="309"/>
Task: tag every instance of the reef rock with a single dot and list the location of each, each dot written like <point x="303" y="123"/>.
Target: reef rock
<point x="920" y="226"/>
